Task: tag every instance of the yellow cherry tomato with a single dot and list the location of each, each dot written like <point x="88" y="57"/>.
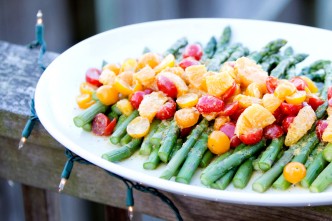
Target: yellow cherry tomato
<point x="87" y="88"/>
<point x="294" y="172"/>
<point x="311" y="85"/>
<point x="122" y="87"/>
<point x="84" y="101"/>
<point x="296" y="98"/>
<point x="148" y="59"/>
<point x="139" y="127"/>
<point x="125" y="106"/>
<point x="168" y="61"/>
<point x="187" y="100"/>
<point x="284" y="88"/>
<point x="186" y="117"/>
<point x="107" y="95"/>
<point x="218" y="142"/>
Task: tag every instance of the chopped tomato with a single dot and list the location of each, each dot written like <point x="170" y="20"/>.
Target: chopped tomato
<point x="273" y="131"/>
<point x="279" y="116"/>
<point x="230" y="92"/>
<point x="92" y="76"/>
<point x="209" y="104"/>
<point x="299" y="83"/>
<point x="137" y="98"/>
<point x="236" y="114"/>
<point x="228" y="128"/>
<point x="167" y="86"/>
<point x="271" y="84"/>
<point x="167" y="110"/>
<point x="184" y="132"/>
<point x="290" y="109"/>
<point x="253" y="137"/>
<point x="102" y="126"/>
<point x="286" y="122"/>
<point x="230" y="109"/>
<point x="235" y="141"/>
<point x="193" y="50"/>
<point x="315" y="102"/>
<point x="187" y="62"/>
<point x="329" y="92"/>
<point x="321" y="126"/>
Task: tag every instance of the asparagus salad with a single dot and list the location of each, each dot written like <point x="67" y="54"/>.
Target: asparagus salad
<point x="220" y="107"/>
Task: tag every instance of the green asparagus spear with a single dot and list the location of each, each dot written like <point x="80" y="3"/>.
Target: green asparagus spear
<point x="181" y="155"/>
<point x="125" y="139"/>
<point x="220" y="57"/>
<point x="270" y="154"/>
<point x="153" y="160"/>
<point x="239" y="52"/>
<point x="323" y="180"/>
<point x="243" y="174"/>
<point x="192" y="161"/>
<point x="121" y="130"/>
<point x="327" y="152"/>
<point x="176" y="46"/>
<point x="209" y="49"/>
<point x="284" y="64"/>
<point x="88" y="114"/>
<point x="123" y="152"/>
<point x="169" y="142"/>
<point x="270" y="62"/>
<point x="87" y="127"/>
<point x="120" y="121"/>
<point x="315" y="66"/>
<point x="224" y="38"/>
<point x="159" y="134"/>
<point x="206" y="159"/>
<point x="319" y="147"/>
<point x="269" y="49"/>
<point x="146" y="146"/>
<point x="226" y="179"/>
<point x="230" y="162"/>
<point x="177" y="147"/>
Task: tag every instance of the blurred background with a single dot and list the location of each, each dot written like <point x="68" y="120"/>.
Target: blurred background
<point x="68" y="22"/>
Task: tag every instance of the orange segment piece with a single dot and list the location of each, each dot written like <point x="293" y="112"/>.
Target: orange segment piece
<point x="220" y="121"/>
<point x="300" y="126"/>
<point x="327" y="134"/>
<point x="246" y="101"/>
<point x="122" y="87"/>
<point x="195" y="74"/>
<point x="271" y="102"/>
<point x="139" y="127"/>
<point x="187" y="100"/>
<point x="112" y="67"/>
<point x="129" y="64"/>
<point x="253" y="117"/>
<point x="148" y="59"/>
<point x="284" y="89"/>
<point x="125" y="107"/>
<point x="296" y="98"/>
<point x="107" y="77"/>
<point x="254" y="90"/>
<point x="151" y="104"/>
<point x="145" y="76"/>
<point x="219" y="83"/>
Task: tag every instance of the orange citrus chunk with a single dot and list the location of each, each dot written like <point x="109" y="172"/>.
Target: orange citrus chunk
<point x="125" y="107"/>
<point x="228" y="67"/>
<point x="203" y="84"/>
<point x="122" y="87"/>
<point x="311" y="85"/>
<point x="148" y="59"/>
<point x="218" y="84"/>
<point x="271" y="102"/>
<point x="145" y="76"/>
<point x="297" y="98"/>
<point x="138" y="127"/>
<point x="195" y="74"/>
<point x="254" y="90"/>
<point x="112" y="67"/>
<point x="247" y="72"/>
<point x="186" y="117"/>
<point x="168" y="61"/>
<point x="284" y="89"/>
<point x="151" y="104"/>
<point x="246" y="101"/>
<point x="129" y="64"/>
<point x="107" y="94"/>
<point x="300" y="125"/>
<point x="220" y="121"/>
<point x="127" y="76"/>
<point x="327" y="134"/>
<point x="107" y="77"/>
<point x="253" y="117"/>
<point x="187" y="100"/>
<point x="180" y="85"/>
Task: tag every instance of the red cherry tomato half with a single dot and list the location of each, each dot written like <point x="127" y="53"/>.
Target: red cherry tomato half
<point x="209" y="104"/>
<point x="252" y="137"/>
<point x="167" y="110"/>
<point x="330" y="102"/>
<point x="137" y="98"/>
<point x="185" y="132"/>
<point x="102" y="126"/>
<point x="321" y="126"/>
<point x="271" y="84"/>
<point x="236" y="114"/>
<point x="299" y="83"/>
<point x="279" y="116"/>
<point x="92" y="76"/>
<point x="167" y="86"/>
<point x="230" y="109"/>
<point x="315" y="102"/>
<point x="189" y="61"/>
<point x="235" y="141"/>
<point x="329" y="92"/>
<point x="228" y="129"/>
<point x="230" y="92"/>
<point x="148" y="91"/>
<point x="290" y="109"/>
<point x="273" y="131"/>
<point x="286" y="122"/>
<point x="193" y="50"/>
